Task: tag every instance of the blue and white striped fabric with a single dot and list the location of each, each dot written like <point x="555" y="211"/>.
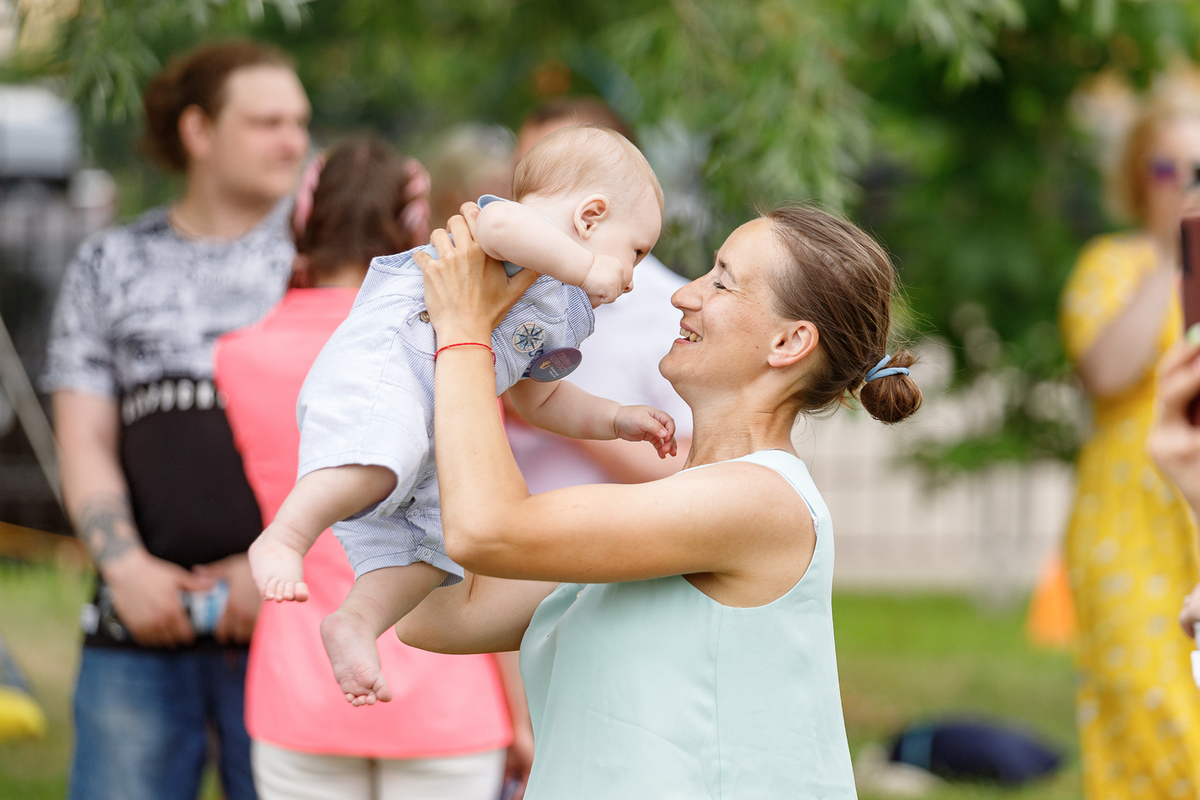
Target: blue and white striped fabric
<point x="369" y="400"/>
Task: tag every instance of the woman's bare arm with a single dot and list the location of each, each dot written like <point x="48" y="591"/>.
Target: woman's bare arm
<point x="736" y="520"/>
<point x="1126" y="348"/>
<point x="479" y="615"/>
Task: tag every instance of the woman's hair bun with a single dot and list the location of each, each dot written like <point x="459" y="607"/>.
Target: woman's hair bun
<point x="892" y="398"/>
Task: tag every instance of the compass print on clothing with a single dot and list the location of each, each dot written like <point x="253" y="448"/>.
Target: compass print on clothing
<point x="529" y="337"/>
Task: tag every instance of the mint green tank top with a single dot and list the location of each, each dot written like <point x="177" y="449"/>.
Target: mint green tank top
<point x="650" y="690"/>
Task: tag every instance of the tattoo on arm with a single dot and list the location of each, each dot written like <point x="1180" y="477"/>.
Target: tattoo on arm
<point x="107" y="529"/>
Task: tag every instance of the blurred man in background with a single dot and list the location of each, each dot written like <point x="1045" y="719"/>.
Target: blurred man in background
<point x="150" y="476"/>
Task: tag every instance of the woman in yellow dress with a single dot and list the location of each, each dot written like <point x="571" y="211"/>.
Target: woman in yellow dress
<point x="1131" y="542"/>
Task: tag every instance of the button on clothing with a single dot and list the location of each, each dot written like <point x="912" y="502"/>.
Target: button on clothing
<point x="648" y="690"/>
<point x="369" y="400"/>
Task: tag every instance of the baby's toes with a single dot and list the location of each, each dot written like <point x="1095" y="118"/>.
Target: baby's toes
<point x="357" y="700"/>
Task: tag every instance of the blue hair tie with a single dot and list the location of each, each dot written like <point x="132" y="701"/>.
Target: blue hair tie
<point x="878" y="370"/>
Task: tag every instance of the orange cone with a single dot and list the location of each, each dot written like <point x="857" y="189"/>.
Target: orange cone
<point x="1051" y="619"/>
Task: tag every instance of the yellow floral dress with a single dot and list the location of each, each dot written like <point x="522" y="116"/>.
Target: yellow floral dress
<point x="1131" y="554"/>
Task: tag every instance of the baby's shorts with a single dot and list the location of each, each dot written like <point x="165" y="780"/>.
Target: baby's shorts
<point x="409" y="534"/>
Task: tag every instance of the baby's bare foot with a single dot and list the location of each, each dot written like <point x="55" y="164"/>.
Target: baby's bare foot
<point x="350" y="644"/>
<point x="278" y="569"/>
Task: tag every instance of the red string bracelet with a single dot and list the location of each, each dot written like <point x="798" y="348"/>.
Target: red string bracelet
<point x="467" y="344"/>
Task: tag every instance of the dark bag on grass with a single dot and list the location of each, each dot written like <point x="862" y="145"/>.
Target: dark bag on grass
<point x="975" y="750"/>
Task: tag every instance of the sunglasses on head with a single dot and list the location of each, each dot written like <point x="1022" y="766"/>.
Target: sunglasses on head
<point x="1165" y="170"/>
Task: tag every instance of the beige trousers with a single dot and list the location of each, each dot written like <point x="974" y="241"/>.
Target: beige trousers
<point x="281" y="774"/>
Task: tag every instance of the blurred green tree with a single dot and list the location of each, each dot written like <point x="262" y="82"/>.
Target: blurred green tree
<point x="767" y="83"/>
<point x="986" y="191"/>
<point x="943" y="125"/>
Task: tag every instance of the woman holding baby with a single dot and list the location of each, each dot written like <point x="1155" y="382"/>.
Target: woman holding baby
<point x="676" y="637"/>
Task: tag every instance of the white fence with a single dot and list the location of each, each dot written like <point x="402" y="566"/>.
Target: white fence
<point x="989" y="534"/>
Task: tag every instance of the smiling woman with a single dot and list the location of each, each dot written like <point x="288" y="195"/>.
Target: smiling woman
<point x="1138" y="712"/>
<point x="158" y="495"/>
<point x="676" y="636"/>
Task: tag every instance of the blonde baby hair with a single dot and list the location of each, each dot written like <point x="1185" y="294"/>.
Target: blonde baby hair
<point x="581" y="156"/>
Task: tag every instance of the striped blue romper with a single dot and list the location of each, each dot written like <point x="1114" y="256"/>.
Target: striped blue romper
<point x="369" y="400"/>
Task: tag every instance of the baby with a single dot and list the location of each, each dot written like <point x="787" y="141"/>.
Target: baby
<point x="589" y="209"/>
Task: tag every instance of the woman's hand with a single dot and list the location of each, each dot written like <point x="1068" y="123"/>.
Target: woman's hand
<point x="467" y="292"/>
<point x="1174" y="443"/>
<point x="1189" y="615"/>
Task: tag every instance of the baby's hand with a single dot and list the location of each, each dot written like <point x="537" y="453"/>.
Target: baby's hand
<point x="606" y="280"/>
<point x="646" y="424"/>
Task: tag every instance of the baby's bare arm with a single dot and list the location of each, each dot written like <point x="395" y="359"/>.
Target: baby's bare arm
<point x="513" y="232"/>
<point x="562" y="407"/>
<point x="326" y="496"/>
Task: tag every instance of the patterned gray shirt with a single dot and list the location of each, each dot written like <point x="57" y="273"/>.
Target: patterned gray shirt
<point x="137" y="317"/>
<point x="140" y="302"/>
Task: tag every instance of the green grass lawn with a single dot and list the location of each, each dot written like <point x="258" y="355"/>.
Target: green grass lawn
<point x="901" y="658"/>
<point x="39" y="620"/>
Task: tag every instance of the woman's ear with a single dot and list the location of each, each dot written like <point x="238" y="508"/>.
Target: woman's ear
<point x="795" y="341"/>
<point x="590" y="212"/>
<point x="195" y="132"/>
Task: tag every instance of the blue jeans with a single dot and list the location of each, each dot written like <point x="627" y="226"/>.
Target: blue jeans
<point x="142" y="722"/>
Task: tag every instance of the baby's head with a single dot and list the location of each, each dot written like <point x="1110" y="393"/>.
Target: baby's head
<point x="595" y="178"/>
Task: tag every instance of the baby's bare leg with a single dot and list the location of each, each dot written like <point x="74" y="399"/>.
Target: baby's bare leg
<point x="318" y="500"/>
<point x="377" y="602"/>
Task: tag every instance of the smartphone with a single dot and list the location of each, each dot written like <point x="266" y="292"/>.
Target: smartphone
<point x="1190" y="231"/>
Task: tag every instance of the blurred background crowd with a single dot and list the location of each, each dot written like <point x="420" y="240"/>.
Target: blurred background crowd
<point x="1025" y="162"/>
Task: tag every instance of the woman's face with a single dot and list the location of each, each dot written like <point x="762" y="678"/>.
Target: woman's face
<point x="259" y="139"/>
<point x="1172" y="189"/>
<point x="729" y="319"/>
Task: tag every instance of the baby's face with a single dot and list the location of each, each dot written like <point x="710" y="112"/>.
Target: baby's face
<point x="628" y="233"/>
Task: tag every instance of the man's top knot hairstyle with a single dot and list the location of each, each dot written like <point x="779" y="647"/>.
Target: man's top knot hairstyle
<point x="196" y="78"/>
<point x="582" y="157"/>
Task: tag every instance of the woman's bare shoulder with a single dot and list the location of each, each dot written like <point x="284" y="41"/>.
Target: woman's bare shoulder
<point x="767" y="524"/>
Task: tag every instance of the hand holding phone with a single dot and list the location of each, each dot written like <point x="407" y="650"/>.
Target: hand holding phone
<point x="1190" y="232"/>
